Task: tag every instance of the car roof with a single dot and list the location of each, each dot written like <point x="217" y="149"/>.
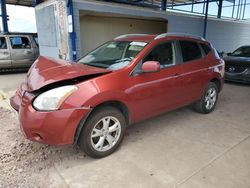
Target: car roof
<point x="150" y="38"/>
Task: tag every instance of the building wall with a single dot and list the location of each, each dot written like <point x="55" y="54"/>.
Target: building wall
<point x="96" y="30"/>
<point x="109" y="9"/>
<point x="225" y="35"/>
<point x="52" y="27"/>
<point x="178" y="23"/>
<point x="47" y="31"/>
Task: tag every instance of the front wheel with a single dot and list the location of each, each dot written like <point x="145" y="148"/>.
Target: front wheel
<point x="103" y="132"/>
<point x="209" y="99"/>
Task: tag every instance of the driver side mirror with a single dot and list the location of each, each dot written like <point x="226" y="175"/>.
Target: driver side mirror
<point x="229" y="54"/>
<point x="150" y="66"/>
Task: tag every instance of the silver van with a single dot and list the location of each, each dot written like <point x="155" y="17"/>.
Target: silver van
<point x="18" y="50"/>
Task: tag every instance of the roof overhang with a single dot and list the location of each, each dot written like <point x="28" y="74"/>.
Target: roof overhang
<point x="32" y="3"/>
<point x="28" y="3"/>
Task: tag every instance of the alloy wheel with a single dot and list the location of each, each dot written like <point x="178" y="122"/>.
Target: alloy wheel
<point x="210" y="98"/>
<point x="105" y="134"/>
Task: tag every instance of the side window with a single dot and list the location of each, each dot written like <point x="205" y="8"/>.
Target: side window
<point x="164" y="54"/>
<point x="205" y="48"/>
<point x="20" y="42"/>
<point x="3" y="44"/>
<point x="190" y="50"/>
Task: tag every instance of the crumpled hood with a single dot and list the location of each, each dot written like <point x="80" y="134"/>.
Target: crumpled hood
<point x="46" y="71"/>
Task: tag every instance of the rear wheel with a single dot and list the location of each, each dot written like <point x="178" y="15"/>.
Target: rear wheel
<point x="209" y="99"/>
<point x="103" y="132"/>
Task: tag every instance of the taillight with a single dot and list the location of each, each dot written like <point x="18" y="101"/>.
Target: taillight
<point x="221" y="66"/>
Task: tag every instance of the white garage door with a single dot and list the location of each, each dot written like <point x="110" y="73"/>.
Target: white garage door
<point x="95" y="30"/>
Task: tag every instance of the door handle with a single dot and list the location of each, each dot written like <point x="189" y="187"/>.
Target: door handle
<point x="28" y="52"/>
<point x="5" y="53"/>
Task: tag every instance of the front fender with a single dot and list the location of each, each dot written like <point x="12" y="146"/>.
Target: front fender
<point x="91" y="94"/>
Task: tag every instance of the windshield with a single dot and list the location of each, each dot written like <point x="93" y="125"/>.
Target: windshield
<point x="242" y="52"/>
<point x="113" y="55"/>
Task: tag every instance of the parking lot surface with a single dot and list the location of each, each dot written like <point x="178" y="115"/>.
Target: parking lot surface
<point x="177" y="149"/>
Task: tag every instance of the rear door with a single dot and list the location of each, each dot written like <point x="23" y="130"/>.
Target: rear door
<point x="193" y="70"/>
<point x="5" y="57"/>
<point x="21" y="51"/>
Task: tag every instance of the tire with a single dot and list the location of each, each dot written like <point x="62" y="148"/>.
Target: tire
<point x="209" y="99"/>
<point x="103" y="132"/>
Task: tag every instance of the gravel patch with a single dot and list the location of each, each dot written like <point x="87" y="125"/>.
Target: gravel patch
<point x="24" y="163"/>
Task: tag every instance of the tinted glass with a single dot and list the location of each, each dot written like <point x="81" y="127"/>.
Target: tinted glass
<point x="20" y="42"/>
<point x="190" y="50"/>
<point x="164" y="54"/>
<point x="205" y="48"/>
<point x="242" y="52"/>
<point x="113" y="55"/>
<point x="36" y="41"/>
<point x="3" y="44"/>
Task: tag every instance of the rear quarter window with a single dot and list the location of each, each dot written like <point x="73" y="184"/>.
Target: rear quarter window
<point x="205" y="48"/>
<point x="190" y="50"/>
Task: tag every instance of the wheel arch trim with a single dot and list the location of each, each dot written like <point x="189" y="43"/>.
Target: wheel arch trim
<point x="114" y="103"/>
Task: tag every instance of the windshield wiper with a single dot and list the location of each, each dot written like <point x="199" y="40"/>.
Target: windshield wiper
<point x="99" y="65"/>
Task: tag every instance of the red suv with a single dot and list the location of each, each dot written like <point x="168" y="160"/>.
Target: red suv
<point x="90" y="103"/>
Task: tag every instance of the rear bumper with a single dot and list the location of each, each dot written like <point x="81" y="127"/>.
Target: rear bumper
<point x="243" y="77"/>
<point x="49" y="127"/>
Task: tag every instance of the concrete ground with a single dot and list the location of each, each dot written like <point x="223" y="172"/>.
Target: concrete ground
<point x="9" y="82"/>
<point x="177" y="149"/>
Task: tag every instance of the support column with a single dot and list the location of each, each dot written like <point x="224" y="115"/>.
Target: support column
<point x="163" y="4"/>
<point x="4" y="16"/>
<point x="72" y="33"/>
<point x="205" y="20"/>
<point x="219" y="8"/>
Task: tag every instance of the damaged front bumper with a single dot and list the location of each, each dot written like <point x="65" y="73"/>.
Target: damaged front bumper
<point x="48" y="127"/>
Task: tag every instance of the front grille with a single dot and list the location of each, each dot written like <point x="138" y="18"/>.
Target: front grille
<point x="235" y="69"/>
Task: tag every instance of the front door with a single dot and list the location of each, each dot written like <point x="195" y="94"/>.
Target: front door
<point x="156" y="92"/>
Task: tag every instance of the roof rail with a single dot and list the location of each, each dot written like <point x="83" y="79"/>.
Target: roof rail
<point x="129" y="35"/>
<point x="178" y="35"/>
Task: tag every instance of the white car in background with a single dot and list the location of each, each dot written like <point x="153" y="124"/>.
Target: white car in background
<point x="18" y="50"/>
